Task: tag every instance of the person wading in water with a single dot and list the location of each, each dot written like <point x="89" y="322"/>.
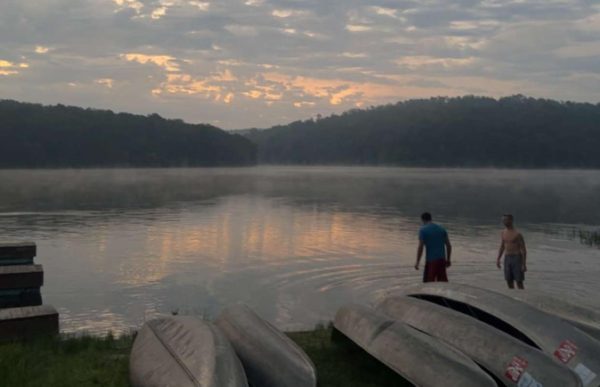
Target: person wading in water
<point x="438" y="250"/>
<point x="512" y="245"/>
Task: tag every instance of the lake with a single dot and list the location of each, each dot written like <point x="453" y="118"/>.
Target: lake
<point x="121" y="246"/>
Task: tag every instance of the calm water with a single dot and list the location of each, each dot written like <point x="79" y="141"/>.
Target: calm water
<point x="121" y="246"/>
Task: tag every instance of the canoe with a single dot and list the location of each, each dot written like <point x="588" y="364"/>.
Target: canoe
<point x="416" y="356"/>
<point x="552" y="335"/>
<point x="505" y="357"/>
<point x="269" y="357"/>
<point x="586" y="319"/>
<point x="183" y="351"/>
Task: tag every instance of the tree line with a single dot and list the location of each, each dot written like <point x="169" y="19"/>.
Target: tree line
<point x="469" y="131"/>
<point x="32" y="136"/>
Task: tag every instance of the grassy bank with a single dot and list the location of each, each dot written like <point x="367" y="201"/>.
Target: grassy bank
<point x="93" y="361"/>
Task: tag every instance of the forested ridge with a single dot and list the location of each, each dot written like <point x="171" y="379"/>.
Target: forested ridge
<point x="466" y="131"/>
<point x="32" y="135"/>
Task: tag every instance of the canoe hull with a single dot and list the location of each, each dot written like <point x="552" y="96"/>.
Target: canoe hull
<point x="269" y="357"/>
<point x="552" y="335"/>
<point x="494" y="350"/>
<point x="183" y="351"/>
<point x="417" y="357"/>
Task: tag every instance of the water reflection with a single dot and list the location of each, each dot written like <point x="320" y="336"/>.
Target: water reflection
<point x="122" y="246"/>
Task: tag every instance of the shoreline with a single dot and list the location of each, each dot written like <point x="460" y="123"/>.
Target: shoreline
<point x="68" y="361"/>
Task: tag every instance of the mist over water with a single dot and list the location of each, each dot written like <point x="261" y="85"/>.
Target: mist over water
<point x="121" y="246"/>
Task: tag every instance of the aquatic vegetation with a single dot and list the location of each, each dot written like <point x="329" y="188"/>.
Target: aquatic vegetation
<point x="589" y="238"/>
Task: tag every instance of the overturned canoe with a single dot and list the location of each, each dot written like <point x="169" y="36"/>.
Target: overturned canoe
<point x="181" y="352"/>
<point x="419" y="358"/>
<point x="269" y="357"/>
<point x="508" y="359"/>
<point x="586" y="319"/>
<point x="551" y="334"/>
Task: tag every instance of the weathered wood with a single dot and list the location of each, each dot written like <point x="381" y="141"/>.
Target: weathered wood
<point x="17" y="253"/>
<point x="27" y="322"/>
<point x="14" y="298"/>
<point x="21" y="276"/>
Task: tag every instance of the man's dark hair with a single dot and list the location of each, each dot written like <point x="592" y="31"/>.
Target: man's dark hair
<point x="509" y="216"/>
<point x="426" y="217"/>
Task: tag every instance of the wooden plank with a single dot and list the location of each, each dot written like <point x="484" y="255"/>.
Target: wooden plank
<point x="18" y="250"/>
<point x="13" y="298"/>
<point x="28" y="321"/>
<point x="21" y="276"/>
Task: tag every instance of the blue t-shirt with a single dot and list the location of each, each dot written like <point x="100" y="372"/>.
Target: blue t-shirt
<point x="434" y="238"/>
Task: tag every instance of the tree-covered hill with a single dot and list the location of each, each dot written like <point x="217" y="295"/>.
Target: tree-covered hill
<point x="33" y="135"/>
<point x="466" y="131"/>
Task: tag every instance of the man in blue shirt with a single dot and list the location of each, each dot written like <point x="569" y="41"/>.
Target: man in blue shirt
<point x="438" y="250"/>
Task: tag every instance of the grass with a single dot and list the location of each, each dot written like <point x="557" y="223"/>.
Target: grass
<point x="65" y="362"/>
<point x="103" y="361"/>
<point x="589" y="238"/>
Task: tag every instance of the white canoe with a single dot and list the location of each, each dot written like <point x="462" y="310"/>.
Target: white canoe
<point x="416" y="356"/>
<point x="509" y="360"/>
<point x="270" y="358"/>
<point x="586" y="319"/>
<point x="552" y="335"/>
<point x="183" y="352"/>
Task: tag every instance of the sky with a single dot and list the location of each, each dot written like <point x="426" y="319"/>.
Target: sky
<point x="256" y="63"/>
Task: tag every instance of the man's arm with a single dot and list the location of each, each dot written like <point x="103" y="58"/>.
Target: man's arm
<point x="500" y="252"/>
<point x="448" y="251"/>
<point x="419" y="254"/>
<point x="523" y="249"/>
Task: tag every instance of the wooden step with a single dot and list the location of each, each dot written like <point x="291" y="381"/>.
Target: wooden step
<point x="20" y="253"/>
<point x="14" y="298"/>
<point x="28" y="321"/>
<point x="21" y="276"/>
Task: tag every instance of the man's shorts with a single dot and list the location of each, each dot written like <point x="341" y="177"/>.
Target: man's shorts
<point x="435" y="271"/>
<point x="513" y="268"/>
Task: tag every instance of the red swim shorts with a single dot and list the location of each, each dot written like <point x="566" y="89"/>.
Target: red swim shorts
<point x="435" y="271"/>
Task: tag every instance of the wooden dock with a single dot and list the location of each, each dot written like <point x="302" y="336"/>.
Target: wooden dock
<point x="21" y="311"/>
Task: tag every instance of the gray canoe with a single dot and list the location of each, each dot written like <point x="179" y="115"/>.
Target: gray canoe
<point x="507" y="358"/>
<point x="586" y="319"/>
<point x="270" y="358"/>
<point x="183" y="351"/>
<point x="416" y="356"/>
<point x="553" y="335"/>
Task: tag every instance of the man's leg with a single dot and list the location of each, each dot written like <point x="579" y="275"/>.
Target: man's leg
<point x="519" y="274"/>
<point x="508" y="271"/>
<point x="427" y="272"/>
<point x="442" y="274"/>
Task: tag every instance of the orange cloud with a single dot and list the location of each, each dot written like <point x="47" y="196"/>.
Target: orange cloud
<point x="164" y="61"/>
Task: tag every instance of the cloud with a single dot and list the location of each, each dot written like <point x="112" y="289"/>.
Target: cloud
<point x="9" y="68"/>
<point x="41" y="49"/>
<point x="107" y="82"/>
<point x="271" y="61"/>
<point x="165" y="61"/>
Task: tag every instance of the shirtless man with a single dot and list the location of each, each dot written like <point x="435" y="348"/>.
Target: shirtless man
<point x="515" y="254"/>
